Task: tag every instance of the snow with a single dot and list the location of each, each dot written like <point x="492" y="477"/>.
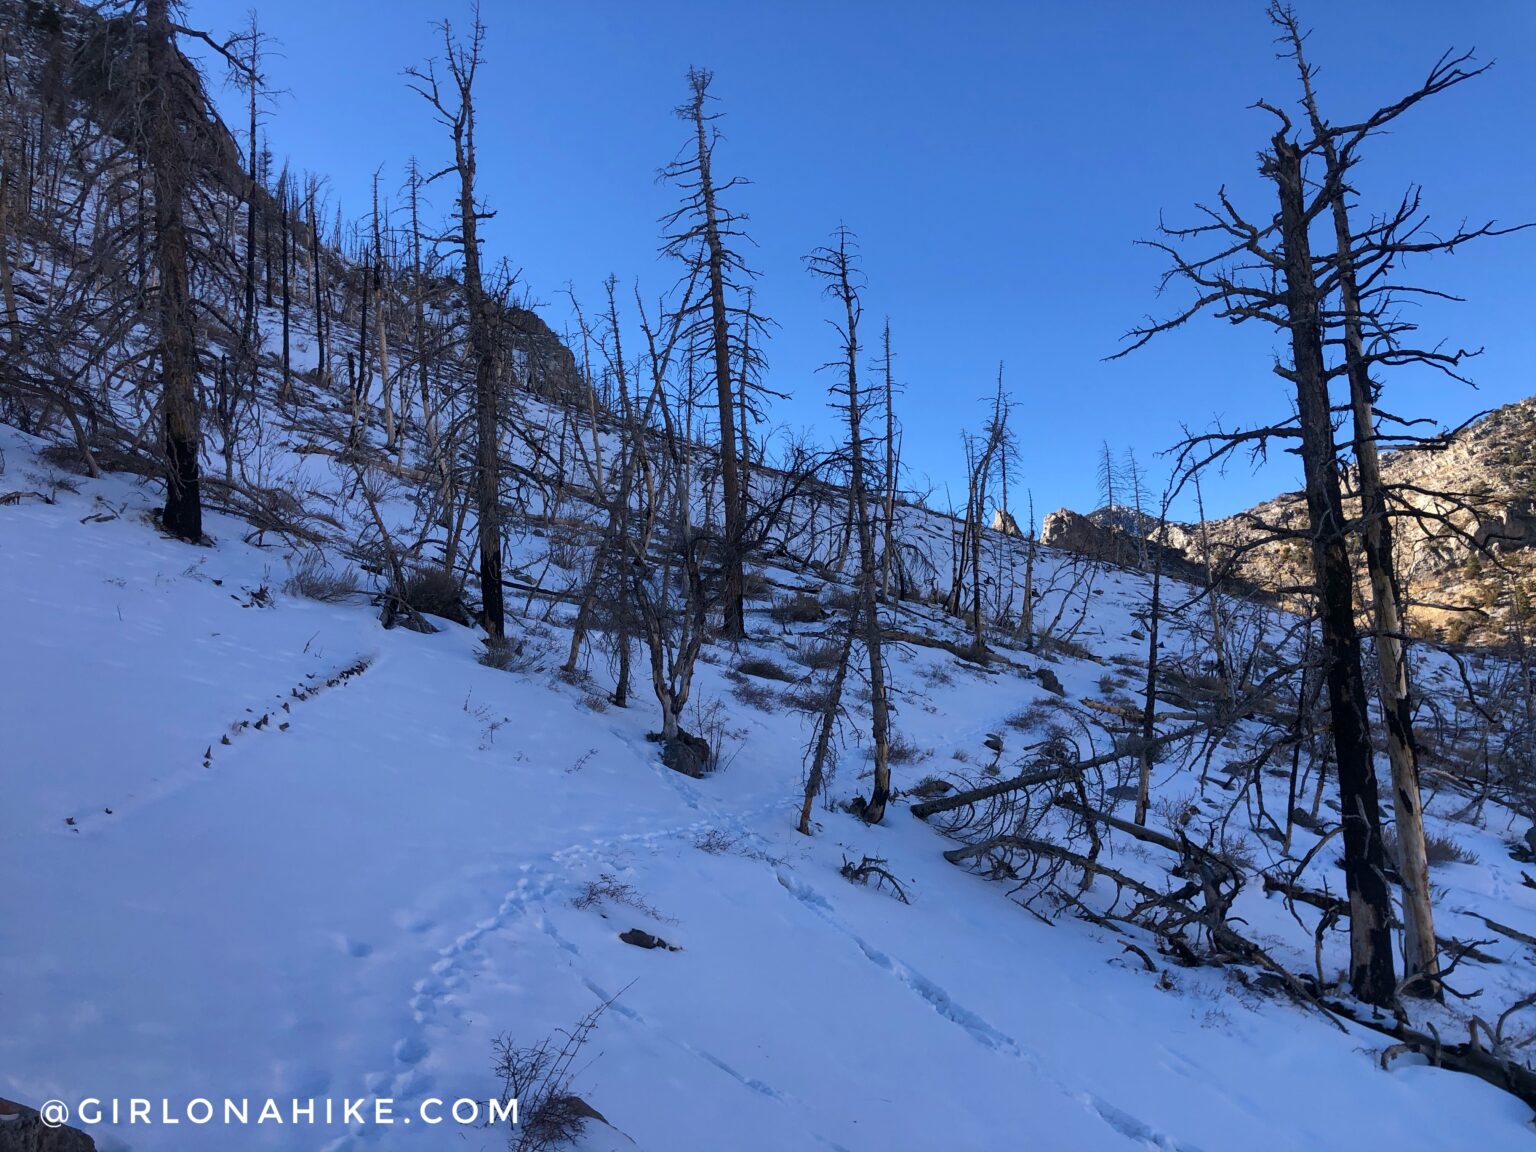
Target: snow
<point x="358" y="904"/>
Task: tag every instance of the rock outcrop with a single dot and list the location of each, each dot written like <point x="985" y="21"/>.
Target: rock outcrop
<point x="1465" y="532"/>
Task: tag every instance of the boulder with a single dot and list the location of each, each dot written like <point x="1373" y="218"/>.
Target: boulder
<point x="686" y="753"/>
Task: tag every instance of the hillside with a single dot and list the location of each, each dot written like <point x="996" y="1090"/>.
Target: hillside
<point x="392" y="855"/>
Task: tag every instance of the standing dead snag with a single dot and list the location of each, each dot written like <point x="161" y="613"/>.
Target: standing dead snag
<point x="700" y="233"/>
<point x="1239" y="282"/>
<point x="1371" y="963"/>
<point x="168" y="164"/>
<point x="1148" y="749"/>
<point x="1370" y="333"/>
<point x="455" y="110"/>
<point x="836" y="265"/>
<point x="888" y="558"/>
<point x="823" y="750"/>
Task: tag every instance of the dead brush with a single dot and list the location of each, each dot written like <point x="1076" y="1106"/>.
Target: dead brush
<point x="764" y="669"/>
<point x="754" y="694"/>
<point x="902" y="749"/>
<point x="801" y="608"/>
<point x="819" y="655"/>
<point x="608" y="888"/>
<point x="716" y="842"/>
<point x="538" y="1078"/>
<point x="508" y="654"/>
<point x="874" y="868"/>
<point x="435" y="591"/>
<point x="314" y="579"/>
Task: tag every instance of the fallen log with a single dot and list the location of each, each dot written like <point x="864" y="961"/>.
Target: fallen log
<point x="1471" y="1058"/>
<point x="1505" y="930"/>
<point x="1038" y="776"/>
<point x="999" y="788"/>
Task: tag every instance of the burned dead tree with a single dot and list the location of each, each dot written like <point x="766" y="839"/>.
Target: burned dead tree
<point x="1267" y="273"/>
<point x="837" y="265"/>
<point x="452" y="104"/>
<point x="702" y="233"/>
<point x="168" y="161"/>
<point x="1369" y="335"/>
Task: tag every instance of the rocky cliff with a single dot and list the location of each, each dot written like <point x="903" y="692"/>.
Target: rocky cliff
<point x="1465" y="533"/>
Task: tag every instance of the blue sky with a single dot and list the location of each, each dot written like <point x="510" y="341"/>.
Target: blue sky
<point x="997" y="160"/>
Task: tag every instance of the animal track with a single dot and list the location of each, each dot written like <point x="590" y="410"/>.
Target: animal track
<point x="974" y="1025"/>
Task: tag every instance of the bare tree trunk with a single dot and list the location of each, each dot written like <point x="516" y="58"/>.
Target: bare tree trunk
<point x="836" y="265"/>
<point x="287" y="243"/>
<point x="183" y="512"/>
<point x="744" y="442"/>
<point x="1149" y="704"/>
<point x="457" y="113"/>
<point x="317" y="275"/>
<point x="1027" y="612"/>
<point x="1420" y="957"/>
<point x="1213" y="595"/>
<point x="381" y="321"/>
<point x="1371" y="962"/>
<point x="888" y="555"/>
<point x="826" y="724"/>
<point x="7" y="290"/>
<point x="720" y="340"/>
<point x="249" y="331"/>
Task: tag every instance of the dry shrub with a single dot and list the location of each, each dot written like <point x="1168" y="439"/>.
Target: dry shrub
<point x="901" y="749"/>
<point x="716" y="842"/>
<point x="764" y="669"/>
<point x="1438" y="849"/>
<point x="754" y="695"/>
<point x="801" y="608"/>
<point x="314" y="579"/>
<point x="820" y="655"/>
<point x="549" y="1115"/>
<point x="755" y="585"/>
<point x="608" y="887"/>
<point x="930" y="787"/>
<point x="506" y="654"/>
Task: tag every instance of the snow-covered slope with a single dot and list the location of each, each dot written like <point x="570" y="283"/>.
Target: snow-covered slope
<point x="256" y="846"/>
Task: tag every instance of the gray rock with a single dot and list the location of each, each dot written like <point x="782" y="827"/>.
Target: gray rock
<point x="1050" y="681"/>
<point x="643" y="939"/>
<point x="23" y="1130"/>
<point x="686" y="753"/>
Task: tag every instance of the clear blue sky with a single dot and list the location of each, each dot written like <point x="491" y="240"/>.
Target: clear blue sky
<point x="997" y="161"/>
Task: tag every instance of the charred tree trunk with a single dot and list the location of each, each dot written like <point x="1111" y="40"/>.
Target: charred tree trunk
<point x="1371" y="962"/>
<point x="733" y="603"/>
<point x="836" y="264"/>
<point x="183" y="512"/>
<point x="456" y="111"/>
<point x="1421" y="967"/>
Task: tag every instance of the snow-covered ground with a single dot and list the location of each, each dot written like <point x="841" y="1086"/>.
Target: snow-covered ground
<point x="258" y="849"/>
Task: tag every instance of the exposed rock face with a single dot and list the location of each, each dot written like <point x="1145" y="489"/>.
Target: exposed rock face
<point x="1465" y="532"/>
<point x="544" y="365"/>
<point x="1074" y="532"/>
<point x="23" y="1130"/>
<point x="1110" y="536"/>
<point x="1003" y="521"/>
